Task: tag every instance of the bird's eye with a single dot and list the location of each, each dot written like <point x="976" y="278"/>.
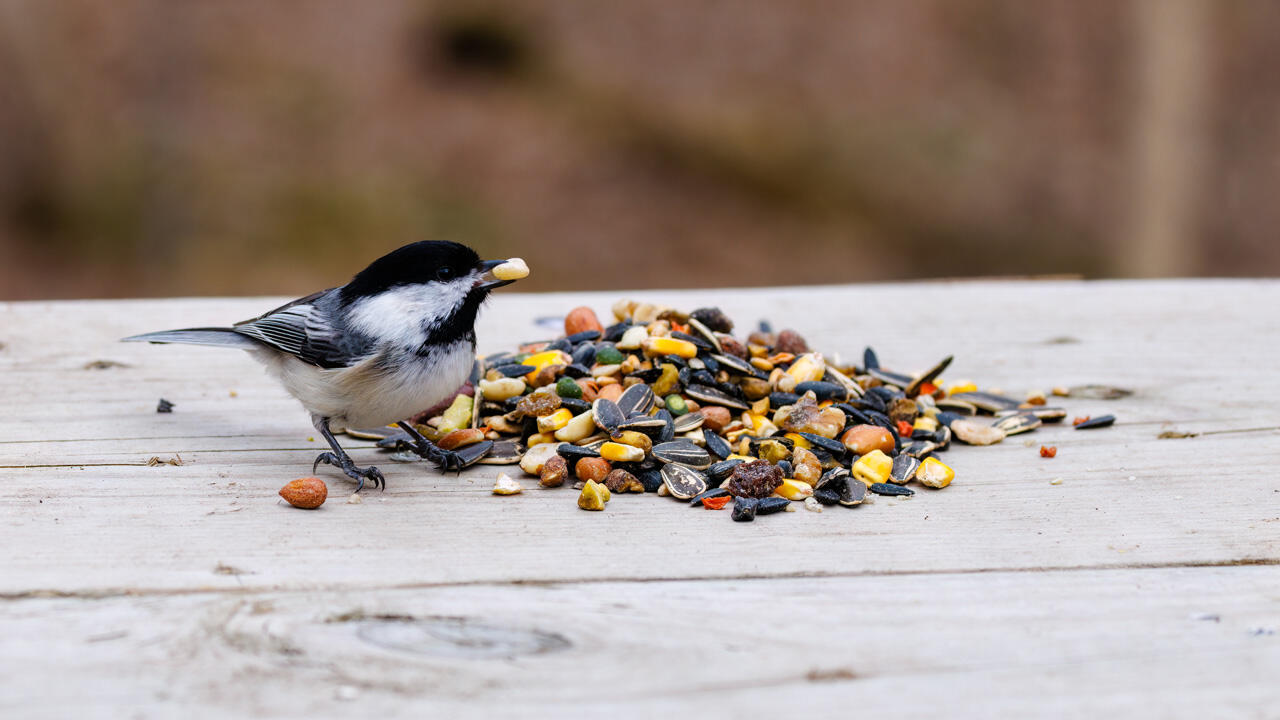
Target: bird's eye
<point x="445" y="274"/>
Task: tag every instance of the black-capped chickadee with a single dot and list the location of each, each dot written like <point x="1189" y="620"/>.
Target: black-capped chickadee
<point x="396" y="340"/>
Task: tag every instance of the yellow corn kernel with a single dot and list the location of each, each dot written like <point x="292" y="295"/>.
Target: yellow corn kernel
<point x="874" y="467"/>
<point x="806" y="368"/>
<point x="670" y="346"/>
<point x="540" y="438"/>
<point x="759" y="425"/>
<point x="926" y="423"/>
<point x="793" y="489"/>
<point x="760" y="363"/>
<point x="761" y="406"/>
<point x="554" y="421"/>
<point x="634" y="439"/>
<point x="542" y="360"/>
<point x="933" y="473"/>
<point x="799" y="440"/>
<point x="963" y="386"/>
<point x="617" y="452"/>
<point x="579" y="427"/>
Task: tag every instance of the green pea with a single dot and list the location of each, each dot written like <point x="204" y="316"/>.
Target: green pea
<point x="567" y="388"/>
<point x="609" y="355"/>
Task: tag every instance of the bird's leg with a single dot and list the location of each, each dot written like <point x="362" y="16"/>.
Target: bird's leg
<point x="339" y="458"/>
<point x="445" y="460"/>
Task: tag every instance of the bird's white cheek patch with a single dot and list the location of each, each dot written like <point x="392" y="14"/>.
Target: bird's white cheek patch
<point x="407" y="313"/>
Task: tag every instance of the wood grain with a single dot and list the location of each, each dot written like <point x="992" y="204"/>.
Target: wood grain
<point x="1003" y="594"/>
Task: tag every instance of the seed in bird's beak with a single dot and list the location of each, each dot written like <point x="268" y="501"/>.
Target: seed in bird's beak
<point x="513" y="269"/>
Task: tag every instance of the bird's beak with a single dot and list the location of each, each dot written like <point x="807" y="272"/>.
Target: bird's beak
<point x="496" y="273"/>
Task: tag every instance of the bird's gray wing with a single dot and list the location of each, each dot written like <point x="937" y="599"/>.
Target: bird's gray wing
<point x="305" y="329"/>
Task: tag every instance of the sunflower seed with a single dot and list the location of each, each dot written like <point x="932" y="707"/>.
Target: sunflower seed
<point x="608" y="415"/>
<point x="638" y="398"/>
<point x="688" y="422"/>
<point x="1019" y="423"/>
<point x="889" y="489"/>
<point x="684" y="453"/>
<point x="853" y="492"/>
<point x="683" y="482"/>
<point x="717" y="445"/>
<point x="1098" y="422"/>
<point x="904" y="468"/>
<point x="929" y="376"/>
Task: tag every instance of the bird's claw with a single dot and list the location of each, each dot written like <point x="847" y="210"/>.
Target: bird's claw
<point x="445" y="460"/>
<point x="359" y="474"/>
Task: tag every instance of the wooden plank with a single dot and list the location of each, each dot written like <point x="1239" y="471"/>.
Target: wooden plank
<point x="75" y="439"/>
<point x="1170" y="643"/>
<point x="165" y="587"/>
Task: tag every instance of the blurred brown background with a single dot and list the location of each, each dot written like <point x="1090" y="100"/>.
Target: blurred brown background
<point x="149" y="147"/>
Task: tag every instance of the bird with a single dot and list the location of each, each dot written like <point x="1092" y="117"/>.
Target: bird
<point x="397" y="339"/>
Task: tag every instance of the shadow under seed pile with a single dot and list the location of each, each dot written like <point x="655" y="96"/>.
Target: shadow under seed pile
<point x="675" y="404"/>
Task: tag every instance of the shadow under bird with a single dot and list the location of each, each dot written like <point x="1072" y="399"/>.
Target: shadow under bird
<point x="396" y="340"/>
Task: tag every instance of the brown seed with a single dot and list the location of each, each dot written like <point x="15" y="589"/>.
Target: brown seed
<point x="903" y="410"/>
<point x="755" y="388"/>
<point x="581" y="319"/>
<point x="862" y="439"/>
<point x="307" y="493"/>
<point x="460" y="438"/>
<point x="732" y="346"/>
<point x="592" y="469"/>
<point x="714" y="417"/>
<point x="790" y="341"/>
<point x="547" y="375"/>
<point x="620" y="480"/>
<point x="554" y="472"/>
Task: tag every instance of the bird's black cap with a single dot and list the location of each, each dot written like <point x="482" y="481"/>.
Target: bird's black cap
<point x="419" y="262"/>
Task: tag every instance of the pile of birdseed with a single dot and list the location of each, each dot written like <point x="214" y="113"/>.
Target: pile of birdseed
<point x="673" y="403"/>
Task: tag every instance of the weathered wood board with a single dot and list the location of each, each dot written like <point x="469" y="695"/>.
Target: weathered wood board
<point x="163" y="588"/>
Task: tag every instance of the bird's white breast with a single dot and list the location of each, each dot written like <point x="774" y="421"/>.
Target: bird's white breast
<point x="384" y="388"/>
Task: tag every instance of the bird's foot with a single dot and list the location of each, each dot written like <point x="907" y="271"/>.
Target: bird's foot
<point x="359" y="474"/>
<point x="445" y="460"/>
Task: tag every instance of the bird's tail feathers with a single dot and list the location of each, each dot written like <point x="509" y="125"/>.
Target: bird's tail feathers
<point x="219" y="337"/>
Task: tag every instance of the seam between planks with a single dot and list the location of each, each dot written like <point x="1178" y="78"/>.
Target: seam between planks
<point x="109" y="593"/>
